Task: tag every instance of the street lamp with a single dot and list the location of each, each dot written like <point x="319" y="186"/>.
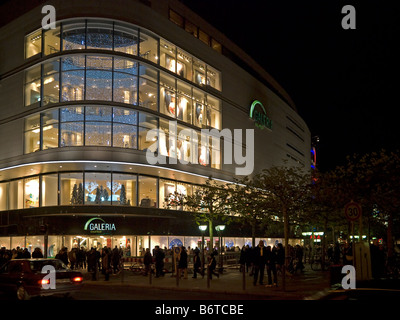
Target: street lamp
<point x="219" y="229"/>
<point x="202" y="229"/>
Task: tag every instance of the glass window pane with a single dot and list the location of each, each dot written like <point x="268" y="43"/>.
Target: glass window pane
<point x="148" y="94"/>
<point x="51" y="89"/>
<point x="98" y="85"/>
<point x="204" y="151"/>
<point x="199" y="70"/>
<point x="123" y="190"/>
<point x="75" y="62"/>
<point x="74" y="35"/>
<point x="125" y="88"/>
<point x="98" y="134"/>
<point x="95" y="113"/>
<point x="71" y="188"/>
<point x="124" y="136"/>
<point x="148" y="72"/>
<point x="167" y="194"/>
<point x="33" y="43"/>
<point x="99" y="62"/>
<point x="31" y="193"/>
<point x="183" y="189"/>
<point x="127" y="116"/>
<point x="3" y="196"/>
<point x="213" y="78"/>
<point x="216" y="45"/>
<point x="51" y="67"/>
<point x="52" y="41"/>
<point x="32" y="87"/>
<point x="72" y="85"/>
<point x="97" y="188"/>
<point x="176" y="18"/>
<point x="168" y="55"/>
<point x="99" y="35"/>
<point x="184" y="65"/>
<point x="49" y="190"/>
<point x="167" y="95"/>
<point x="186" y="144"/>
<point x="167" y="140"/>
<point x="214" y="115"/>
<point x="184" y="102"/>
<point x="199" y="108"/>
<point x="191" y="28"/>
<point x="71" y="134"/>
<point x="32" y="123"/>
<point x="125" y="39"/>
<point x="148" y="47"/>
<point x="148" y="121"/>
<point x="147" y="191"/>
<point x="125" y="65"/>
<point x="50" y="129"/>
<point x="32" y="141"/>
<point x="16" y="194"/>
<point x="72" y="114"/>
<point x="204" y="37"/>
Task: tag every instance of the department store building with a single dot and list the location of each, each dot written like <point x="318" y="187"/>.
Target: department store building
<point x="78" y="102"/>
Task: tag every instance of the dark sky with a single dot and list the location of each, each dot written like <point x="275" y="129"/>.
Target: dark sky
<point x="343" y="82"/>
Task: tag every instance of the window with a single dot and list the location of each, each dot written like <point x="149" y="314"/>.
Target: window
<point x="32" y="134"/>
<point x="97" y="188"/>
<point x="33" y="44"/>
<point x="49" y="190"/>
<point x="184" y="102"/>
<point x="125" y="128"/>
<point x="74" y="35"/>
<point x="147" y="192"/>
<point x="51" y="82"/>
<point x="123" y="190"/>
<point x="167" y="95"/>
<point x="148" y="47"/>
<point x="50" y="129"/>
<point x="146" y="122"/>
<point x="199" y="71"/>
<point x="16" y="194"/>
<point x="98" y="78"/>
<point x="52" y="41"/>
<point x="176" y="18"/>
<point x="216" y="45"/>
<point x="199" y="108"/>
<point x="72" y="85"/>
<point x="214" y="112"/>
<point x="213" y="78"/>
<point x="148" y="87"/>
<point x="125" y="81"/>
<point x="98" y="126"/>
<point x="168" y="55"/>
<point x="32" y="86"/>
<point x="99" y="35"/>
<point x="168" y="199"/>
<point x="71" y="126"/>
<point x="191" y="28"/>
<point x="125" y="39"/>
<point x="204" y="37"/>
<point x="71" y="189"/>
<point x="184" y="65"/>
<point x="31" y="193"/>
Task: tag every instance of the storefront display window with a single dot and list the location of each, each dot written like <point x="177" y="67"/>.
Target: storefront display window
<point x="167" y="194"/>
<point x="123" y="189"/>
<point x="214" y="115"/>
<point x="168" y="95"/>
<point x="32" y="86"/>
<point x="199" y="107"/>
<point x="72" y="85"/>
<point x="213" y="78"/>
<point x="146" y="122"/>
<point x="184" y="102"/>
<point x="199" y="72"/>
<point x="74" y="35"/>
<point x="148" y="46"/>
<point x="168" y="55"/>
<point x="98" y="126"/>
<point x="97" y="188"/>
<point x="125" y="39"/>
<point x="31" y="192"/>
<point x="3" y="196"/>
<point x="147" y="191"/>
<point x="125" y="128"/>
<point x="49" y="190"/>
<point x="184" y="64"/>
<point x="71" y="188"/>
<point x="32" y="133"/>
<point x="99" y="35"/>
<point x="33" y="242"/>
<point x="50" y="129"/>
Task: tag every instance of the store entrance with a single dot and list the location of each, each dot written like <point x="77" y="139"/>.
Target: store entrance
<point x="101" y="241"/>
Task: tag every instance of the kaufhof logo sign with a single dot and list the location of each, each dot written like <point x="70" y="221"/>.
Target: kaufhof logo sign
<point x="98" y="225"/>
<point x="259" y="115"/>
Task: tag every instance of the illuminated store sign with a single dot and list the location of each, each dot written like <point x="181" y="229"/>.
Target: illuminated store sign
<point x="98" y="225"/>
<point x="259" y="115"/>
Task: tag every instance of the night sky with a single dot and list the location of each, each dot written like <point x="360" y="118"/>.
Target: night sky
<point x="342" y="81"/>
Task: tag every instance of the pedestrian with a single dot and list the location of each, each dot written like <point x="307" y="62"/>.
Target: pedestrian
<point x="64" y="256"/>
<point x="259" y="263"/>
<point x="271" y="267"/>
<point x="37" y="253"/>
<point x="299" y="258"/>
<point x="115" y="257"/>
<point x="26" y="254"/>
<point x="182" y="265"/>
<point x="106" y="263"/>
<point x="92" y="263"/>
<point x="212" y="265"/>
<point x="147" y="260"/>
<point x="196" y="264"/>
<point x="159" y="260"/>
<point x="242" y="259"/>
<point x="280" y="257"/>
<point x="72" y="258"/>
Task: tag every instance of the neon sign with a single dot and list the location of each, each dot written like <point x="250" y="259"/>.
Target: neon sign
<point x="260" y="116"/>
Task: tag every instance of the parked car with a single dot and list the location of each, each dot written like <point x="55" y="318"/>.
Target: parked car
<point x="25" y="278"/>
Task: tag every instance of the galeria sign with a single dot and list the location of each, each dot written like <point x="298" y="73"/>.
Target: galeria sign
<point x="95" y="226"/>
<point x="259" y="115"/>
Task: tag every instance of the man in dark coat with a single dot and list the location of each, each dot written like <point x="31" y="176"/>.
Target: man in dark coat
<point x="260" y="255"/>
<point x="159" y="259"/>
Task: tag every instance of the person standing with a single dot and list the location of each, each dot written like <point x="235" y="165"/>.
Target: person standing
<point x="212" y="265"/>
<point x="106" y="263"/>
<point x="147" y="260"/>
<point x="271" y="267"/>
<point x="183" y="262"/>
<point x="159" y="259"/>
<point x="259" y="262"/>
<point x="196" y="264"/>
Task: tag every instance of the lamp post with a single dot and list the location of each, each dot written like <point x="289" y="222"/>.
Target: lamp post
<point x="219" y="229"/>
<point x="202" y="229"/>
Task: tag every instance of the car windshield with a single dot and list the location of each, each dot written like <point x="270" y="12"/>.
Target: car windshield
<point x="37" y="266"/>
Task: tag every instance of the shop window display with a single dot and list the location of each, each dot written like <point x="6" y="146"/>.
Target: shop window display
<point x="168" y="55"/>
<point x="98" y="188"/>
<point x="16" y="194"/>
<point x="148" y="46"/>
<point x="71" y="189"/>
<point x="184" y="102"/>
<point x="125" y="39"/>
<point x="99" y="35"/>
<point x="123" y="189"/>
<point x="32" y="134"/>
<point x="33" y="44"/>
<point x="52" y="41"/>
<point x="32" y="86"/>
<point x="49" y="190"/>
<point x="74" y="35"/>
<point x="31" y="193"/>
<point x="168" y="95"/>
<point x="147" y="191"/>
<point x="184" y="64"/>
<point x="167" y="194"/>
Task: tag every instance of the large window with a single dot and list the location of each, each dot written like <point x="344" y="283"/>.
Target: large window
<point x="127" y="39"/>
<point x="32" y="86"/>
<point x="50" y="190"/>
<point x="71" y="189"/>
<point x="147" y="191"/>
<point x="124" y="190"/>
<point x="98" y="188"/>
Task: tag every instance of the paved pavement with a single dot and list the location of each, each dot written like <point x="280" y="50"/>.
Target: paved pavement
<point x="299" y="286"/>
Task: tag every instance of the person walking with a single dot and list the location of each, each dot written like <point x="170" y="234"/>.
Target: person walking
<point x="212" y="265"/>
<point x="147" y="260"/>
<point x="183" y="262"/>
<point x="259" y="263"/>
<point x="271" y="267"/>
<point x="196" y="264"/>
<point x="280" y="257"/>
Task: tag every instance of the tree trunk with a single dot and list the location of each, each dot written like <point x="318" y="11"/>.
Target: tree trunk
<point x="253" y="234"/>
<point x="211" y="233"/>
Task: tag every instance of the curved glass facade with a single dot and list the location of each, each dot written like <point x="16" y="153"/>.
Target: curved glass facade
<point x="125" y="38"/>
<point x="92" y="188"/>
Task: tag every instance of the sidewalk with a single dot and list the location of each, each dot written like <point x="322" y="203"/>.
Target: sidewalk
<point x="298" y="286"/>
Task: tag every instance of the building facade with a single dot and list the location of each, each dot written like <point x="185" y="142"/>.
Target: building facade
<point x="80" y="106"/>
